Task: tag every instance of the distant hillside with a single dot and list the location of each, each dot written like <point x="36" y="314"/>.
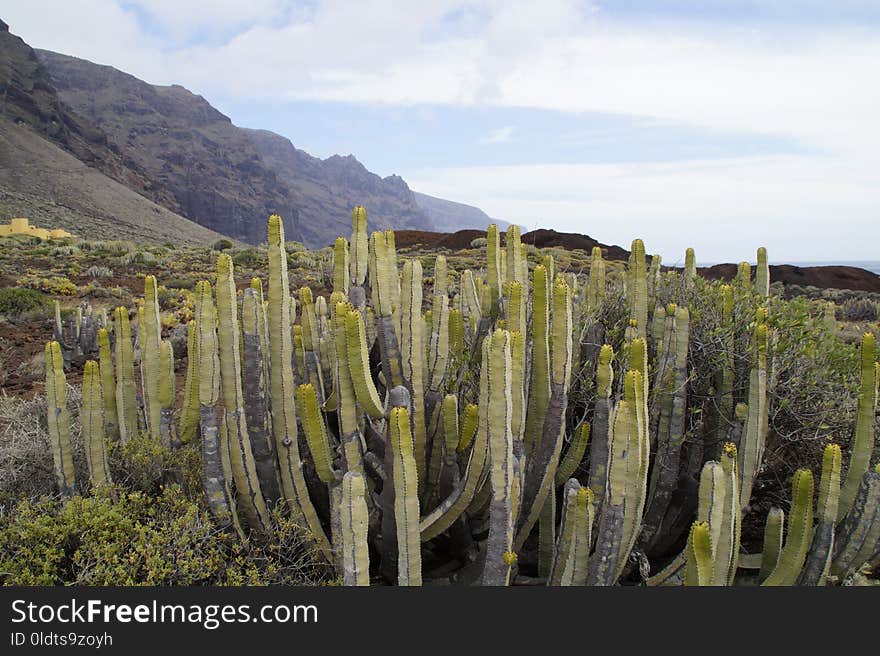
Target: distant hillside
<point x="449" y="216"/>
<point x="54" y="189"/>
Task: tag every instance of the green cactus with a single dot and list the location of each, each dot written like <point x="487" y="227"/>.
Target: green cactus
<point x="359" y="247"/>
<point x="354" y="520"/>
<point x="189" y="414"/>
<point x="799" y="531"/>
<point x="863" y="435"/>
<point x="596" y="284"/>
<point x="92" y="420"/>
<point x="539" y="387"/>
<point x="772" y="549"/>
<point x="406" y="499"/>
<point x="859" y="532"/>
<point x="126" y="395"/>
<point x="637" y="288"/>
<point x="340" y="265"/>
<point x="690" y="266"/>
<point x="601" y="435"/>
<point x="754" y="438"/>
<point x="165" y="397"/>
<point x="699" y="569"/>
<point x="58" y="419"/>
<point x="493" y="269"/>
<point x="762" y="274"/>
<point x="818" y="563"/>
<point x="149" y="336"/>
<point x="108" y="385"/>
<point x="572" y="549"/>
<point x="316" y="433"/>
<point x="293" y="483"/>
<point x="573" y="456"/>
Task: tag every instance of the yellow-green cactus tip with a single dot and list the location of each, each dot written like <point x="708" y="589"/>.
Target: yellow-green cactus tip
<point x="509" y="558"/>
<point x="605" y="354"/>
<point x="730" y="449"/>
<point x="633" y="323"/>
<point x="585" y="495"/>
<point x="742" y="411"/>
<point x="671" y="308"/>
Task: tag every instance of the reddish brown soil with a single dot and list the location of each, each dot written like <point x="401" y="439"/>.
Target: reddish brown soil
<point x="823" y="277"/>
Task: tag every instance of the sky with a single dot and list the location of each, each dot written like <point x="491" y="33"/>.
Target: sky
<point x="722" y="125"/>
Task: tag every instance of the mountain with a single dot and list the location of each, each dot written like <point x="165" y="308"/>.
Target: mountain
<point x="215" y="174"/>
<point x="449" y="216"/>
<point x="61" y="171"/>
<point x="327" y="189"/>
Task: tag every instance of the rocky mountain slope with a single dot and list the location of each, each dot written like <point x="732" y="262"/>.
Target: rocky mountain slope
<point x="449" y="216"/>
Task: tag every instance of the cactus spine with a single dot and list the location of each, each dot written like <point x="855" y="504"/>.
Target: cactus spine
<point x="699" y="568"/>
<point x="354" y="521"/>
<point x="772" y="543"/>
<point x="59" y="420"/>
<point x="108" y="385"/>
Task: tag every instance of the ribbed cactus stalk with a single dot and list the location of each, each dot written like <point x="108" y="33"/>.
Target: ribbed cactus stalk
<point x="385" y="287"/>
<point x="601" y="435"/>
<point x="654" y="279"/>
<point x="358" y="261"/>
<point x="254" y="386"/>
<point x="293" y="483"/>
<point x="350" y="352"/>
<point x="149" y="336"/>
<point x="189" y="413"/>
<point x="59" y="420"/>
<point x="311" y="342"/>
<point x="214" y="478"/>
<point x="572" y="549"/>
<point x="574" y="455"/>
<point x="623" y="466"/>
<point x="108" y="385"/>
<point x="412" y="350"/>
<point x="358" y="363"/>
<point x="438" y="345"/>
<point x="493" y="270"/>
<point x="762" y="274"/>
<point x="316" y="433"/>
<point x="540" y="470"/>
<point x="92" y="420"/>
<point x="474" y="436"/>
<point x="513" y="246"/>
<point x="690" y="266"/>
<point x="859" y="532"/>
<point x="241" y="456"/>
<point x="727" y="552"/>
<point x="743" y="277"/>
<point x="166" y="385"/>
<point x="406" y="498"/>
<point x="126" y="394"/>
<point x="726" y="372"/>
<point x="667" y="421"/>
<point x="699" y="569"/>
<point x="496" y="568"/>
<point x="340" y="265"/>
<point x="539" y="387"/>
<point x="818" y="563"/>
<point x="753" y="440"/>
<point x="772" y="543"/>
<point x="637" y="288"/>
<point x="799" y="531"/>
<point x="863" y="436"/>
<point x="354" y="520"/>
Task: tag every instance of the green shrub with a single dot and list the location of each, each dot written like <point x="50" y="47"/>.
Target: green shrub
<point x="17" y="301"/>
<point x="57" y="285"/>
<point x="249" y="258"/>
<point x="222" y="244"/>
<point x="180" y="282"/>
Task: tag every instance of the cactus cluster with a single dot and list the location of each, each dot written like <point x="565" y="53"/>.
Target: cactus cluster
<point x="434" y="438"/>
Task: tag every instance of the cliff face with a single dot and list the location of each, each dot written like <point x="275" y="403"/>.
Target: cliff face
<point x="215" y="174"/>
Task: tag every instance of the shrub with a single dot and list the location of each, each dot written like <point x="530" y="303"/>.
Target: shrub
<point x="859" y="309"/>
<point x="18" y="301"/>
<point x="99" y="272"/>
<point x="222" y="244"/>
<point x="180" y="282"/>
<point x="250" y="258"/>
<point x="58" y="285"/>
<point x="479" y="242"/>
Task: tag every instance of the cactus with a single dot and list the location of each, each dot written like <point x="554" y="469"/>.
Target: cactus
<point x="406" y="500"/>
<point x="59" y="420"/>
<point x="818" y="563"/>
<point x="690" y="266"/>
<point x="189" y="414"/>
<point x="359" y="247"/>
<point x="354" y="521"/>
<point x="149" y="336"/>
<point x="863" y="435"/>
<point x="762" y="274"/>
<point x="572" y="549"/>
<point x="799" y="531"/>
<point x="293" y="483"/>
<point x="92" y="421"/>
<point x="573" y="456"/>
<point x="602" y="414"/>
<point x="754" y="437"/>
<point x="699" y="569"/>
<point x="859" y="532"/>
<point x="126" y="395"/>
<point x="108" y="385"/>
<point x="637" y="288"/>
<point x="772" y="542"/>
<point x="165" y="392"/>
<point x="241" y="456"/>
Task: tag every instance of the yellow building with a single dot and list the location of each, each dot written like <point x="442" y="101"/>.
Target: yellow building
<point x="22" y="226"/>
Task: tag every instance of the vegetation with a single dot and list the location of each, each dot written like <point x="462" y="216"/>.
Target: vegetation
<point x="497" y="415"/>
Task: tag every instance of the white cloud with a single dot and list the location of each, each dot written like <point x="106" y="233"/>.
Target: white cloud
<point x="825" y="209"/>
<point x="500" y="135"/>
